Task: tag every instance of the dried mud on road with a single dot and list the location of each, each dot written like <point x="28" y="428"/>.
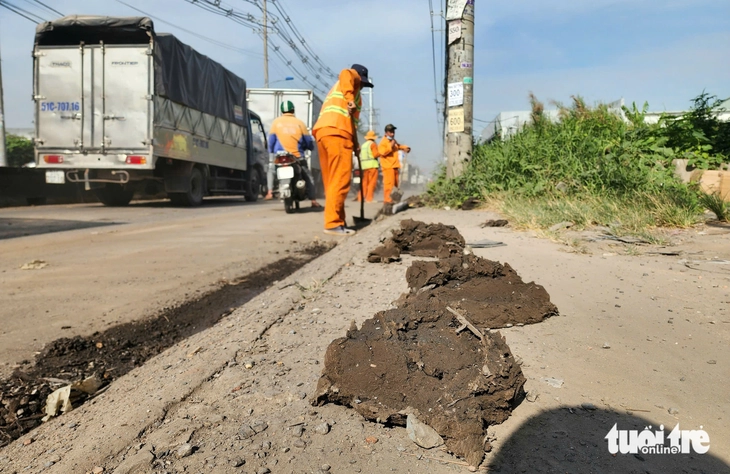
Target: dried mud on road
<point x="112" y="353"/>
<point x="435" y="356"/>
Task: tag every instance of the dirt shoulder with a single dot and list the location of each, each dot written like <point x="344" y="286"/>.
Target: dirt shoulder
<point x="236" y="398"/>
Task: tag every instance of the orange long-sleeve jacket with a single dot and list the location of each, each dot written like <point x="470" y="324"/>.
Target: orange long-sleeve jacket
<point x="334" y="118"/>
<point x="389" y="153"/>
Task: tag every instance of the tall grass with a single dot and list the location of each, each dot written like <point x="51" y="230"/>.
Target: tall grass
<point x="591" y="167"/>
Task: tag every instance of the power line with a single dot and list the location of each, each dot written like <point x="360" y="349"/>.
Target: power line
<point x="46" y="7"/>
<point x="249" y="21"/>
<point x="275" y="21"/>
<point x="258" y="27"/>
<point x="19" y="11"/>
<point x="290" y="24"/>
<point x="205" y="38"/>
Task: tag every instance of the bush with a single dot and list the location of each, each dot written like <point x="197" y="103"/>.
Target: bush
<point x="592" y="165"/>
<point x="19" y="150"/>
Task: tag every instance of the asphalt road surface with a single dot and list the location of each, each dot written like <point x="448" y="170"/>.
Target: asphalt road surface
<point x="76" y="269"/>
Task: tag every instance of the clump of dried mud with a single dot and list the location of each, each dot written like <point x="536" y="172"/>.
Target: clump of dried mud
<point x="406" y="361"/>
<point x="423" y="358"/>
<point x="490" y="294"/>
<point x="421" y="240"/>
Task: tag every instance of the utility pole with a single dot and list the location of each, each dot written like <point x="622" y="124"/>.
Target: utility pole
<point x="459" y="100"/>
<point x="3" y="154"/>
<point x="266" y="48"/>
<point x="371" y="112"/>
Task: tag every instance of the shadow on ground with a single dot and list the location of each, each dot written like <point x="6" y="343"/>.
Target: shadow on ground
<point x="558" y="441"/>
<point x="12" y="228"/>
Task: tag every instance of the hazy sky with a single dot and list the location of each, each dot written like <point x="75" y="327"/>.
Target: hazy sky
<point x="661" y="51"/>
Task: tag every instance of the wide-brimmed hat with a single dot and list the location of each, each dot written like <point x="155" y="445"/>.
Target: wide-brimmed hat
<point x="370" y="135"/>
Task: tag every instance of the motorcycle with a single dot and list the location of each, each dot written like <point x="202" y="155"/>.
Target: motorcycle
<point x="292" y="186"/>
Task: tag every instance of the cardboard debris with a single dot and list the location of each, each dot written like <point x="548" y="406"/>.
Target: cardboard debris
<point x="61" y="401"/>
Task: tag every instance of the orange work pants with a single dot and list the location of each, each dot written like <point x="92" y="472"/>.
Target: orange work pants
<point x="369" y="180"/>
<point x="335" y="160"/>
<point x="391" y="178"/>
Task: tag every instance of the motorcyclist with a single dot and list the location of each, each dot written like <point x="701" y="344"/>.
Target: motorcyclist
<point x="288" y="133"/>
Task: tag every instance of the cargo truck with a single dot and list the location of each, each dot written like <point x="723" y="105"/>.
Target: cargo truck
<point x="120" y="108"/>
<point x="267" y="103"/>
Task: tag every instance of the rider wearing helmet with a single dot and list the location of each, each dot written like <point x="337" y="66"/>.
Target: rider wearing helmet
<point x="290" y="134"/>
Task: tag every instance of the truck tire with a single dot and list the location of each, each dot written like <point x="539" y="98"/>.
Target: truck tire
<point x="115" y="195"/>
<point x="194" y="196"/>
<point x="253" y="187"/>
<point x="263" y="181"/>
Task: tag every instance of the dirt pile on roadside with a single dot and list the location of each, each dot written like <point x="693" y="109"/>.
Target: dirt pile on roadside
<point x="435" y="356"/>
<point x="409" y="362"/>
<point x="490" y="294"/>
<point x="421" y="240"/>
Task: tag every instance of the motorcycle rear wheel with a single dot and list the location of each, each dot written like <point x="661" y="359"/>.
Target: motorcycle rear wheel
<point x="289" y="205"/>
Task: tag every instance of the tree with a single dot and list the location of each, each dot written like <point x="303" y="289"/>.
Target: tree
<point x="19" y="150"/>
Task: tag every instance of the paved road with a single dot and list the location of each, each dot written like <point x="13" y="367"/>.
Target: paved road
<point x="105" y="266"/>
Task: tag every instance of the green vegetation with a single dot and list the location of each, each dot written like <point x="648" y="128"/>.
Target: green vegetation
<point x="715" y="203"/>
<point x="593" y="167"/>
<point x="19" y="150"/>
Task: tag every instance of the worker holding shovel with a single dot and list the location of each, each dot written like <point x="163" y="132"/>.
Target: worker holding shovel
<point x="336" y="135"/>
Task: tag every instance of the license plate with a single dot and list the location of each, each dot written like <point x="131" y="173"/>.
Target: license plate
<point x="55" y="177"/>
<point x="356" y="180"/>
<point x="285" y="172"/>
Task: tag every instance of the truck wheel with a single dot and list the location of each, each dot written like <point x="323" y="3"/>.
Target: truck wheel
<point x="263" y="181"/>
<point x="254" y="187"/>
<point x="115" y="195"/>
<point x="194" y="196"/>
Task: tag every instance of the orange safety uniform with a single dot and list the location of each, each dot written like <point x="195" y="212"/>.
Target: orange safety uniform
<point x="369" y="176"/>
<point x="334" y="134"/>
<point x="391" y="165"/>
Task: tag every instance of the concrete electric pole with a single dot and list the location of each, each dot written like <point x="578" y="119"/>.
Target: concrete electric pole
<point x="3" y="154"/>
<point x="371" y="112"/>
<point x="459" y="98"/>
<point x="266" y="48"/>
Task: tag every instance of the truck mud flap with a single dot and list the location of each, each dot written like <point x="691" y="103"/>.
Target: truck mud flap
<point x="177" y="178"/>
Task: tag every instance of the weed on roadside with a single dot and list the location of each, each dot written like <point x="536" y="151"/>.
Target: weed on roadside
<point x="717" y="205"/>
<point x="595" y="166"/>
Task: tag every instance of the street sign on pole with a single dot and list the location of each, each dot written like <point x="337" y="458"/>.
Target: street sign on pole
<point x="460" y="90"/>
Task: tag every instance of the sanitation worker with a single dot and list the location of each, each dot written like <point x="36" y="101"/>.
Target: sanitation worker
<point x="369" y="155"/>
<point x="336" y="135"/>
<point x="290" y="134"/>
<point x="390" y="162"/>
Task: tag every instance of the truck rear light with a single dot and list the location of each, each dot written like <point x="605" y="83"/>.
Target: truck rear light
<point x="136" y="160"/>
<point x="53" y="159"/>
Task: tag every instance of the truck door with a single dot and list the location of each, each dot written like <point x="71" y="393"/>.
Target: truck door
<point x="260" y="142"/>
<point x="59" y="97"/>
<point x="127" y="97"/>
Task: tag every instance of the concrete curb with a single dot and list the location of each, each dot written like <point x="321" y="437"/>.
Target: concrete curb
<point x="99" y="430"/>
